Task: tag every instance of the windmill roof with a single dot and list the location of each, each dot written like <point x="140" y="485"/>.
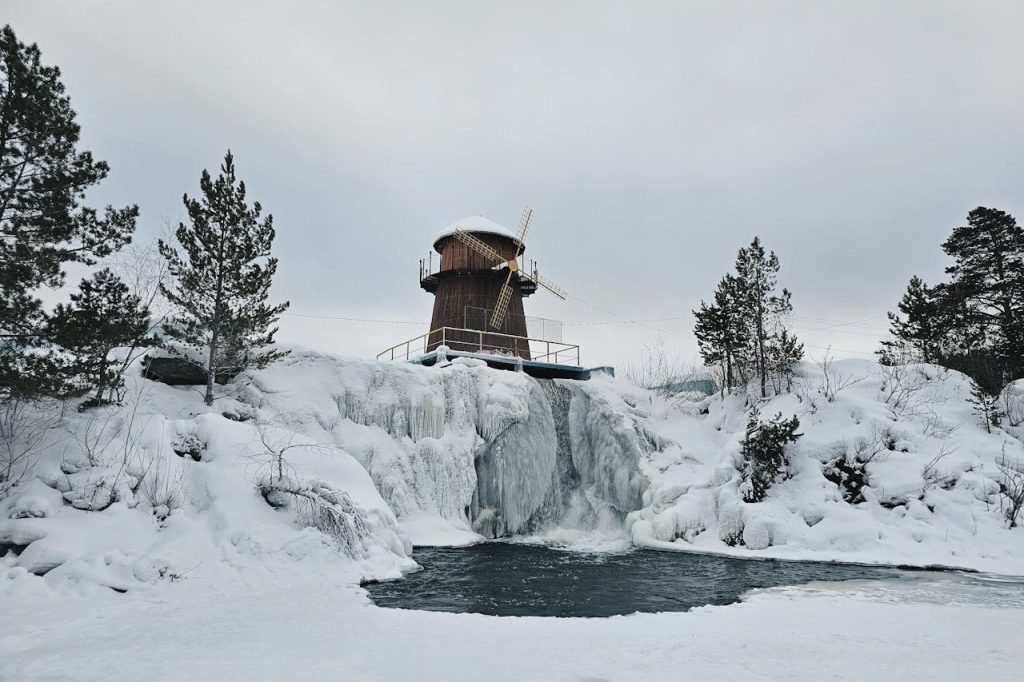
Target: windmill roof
<point x="477" y="224"/>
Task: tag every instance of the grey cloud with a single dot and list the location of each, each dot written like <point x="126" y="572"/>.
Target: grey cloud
<point x="652" y="140"/>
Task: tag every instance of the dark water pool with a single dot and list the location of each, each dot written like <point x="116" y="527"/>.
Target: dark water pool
<point x="505" y="579"/>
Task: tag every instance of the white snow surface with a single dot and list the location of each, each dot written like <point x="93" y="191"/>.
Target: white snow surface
<point x="477" y="224"/>
<point x="932" y="487"/>
<point x="400" y="447"/>
<point x="118" y="503"/>
<point x="860" y="630"/>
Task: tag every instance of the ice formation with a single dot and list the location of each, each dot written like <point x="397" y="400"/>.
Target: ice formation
<point x="495" y="453"/>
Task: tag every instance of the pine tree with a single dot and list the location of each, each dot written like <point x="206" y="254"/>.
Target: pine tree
<point x="744" y="331"/>
<point x="784" y="352"/>
<point x="920" y="329"/>
<point x="720" y="332"/>
<point x="102" y="316"/>
<point x="221" y="279"/>
<point x="760" y="307"/>
<point x="988" y="274"/>
<point x="986" y="405"/>
<point x="43" y="226"/>
<point x="763" y="450"/>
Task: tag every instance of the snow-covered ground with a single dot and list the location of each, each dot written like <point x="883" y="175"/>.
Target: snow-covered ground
<point x="152" y="540"/>
<point x="323" y="632"/>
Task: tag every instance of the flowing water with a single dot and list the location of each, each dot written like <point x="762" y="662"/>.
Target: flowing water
<point x="511" y="579"/>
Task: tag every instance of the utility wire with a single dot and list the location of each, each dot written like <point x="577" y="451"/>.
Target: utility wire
<point x="350" y="319"/>
<point x="624" y="318"/>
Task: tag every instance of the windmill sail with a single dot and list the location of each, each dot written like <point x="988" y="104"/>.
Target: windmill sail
<point x="479" y="246"/>
<point x="506" y="293"/>
<point x="501" y="307"/>
<point x="548" y="284"/>
<point x="524" y="227"/>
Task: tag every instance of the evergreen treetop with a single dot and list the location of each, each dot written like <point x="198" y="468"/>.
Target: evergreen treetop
<point x="43" y="224"/>
<point x="103" y="315"/>
<point x="744" y="330"/>
<point x="221" y="278"/>
<point x="920" y="328"/>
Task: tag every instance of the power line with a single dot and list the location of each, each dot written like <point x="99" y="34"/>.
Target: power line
<point x="351" y="319"/>
<point x="841" y="350"/>
<point x="624" y="318"/>
<point x="623" y="321"/>
<point x="834" y="323"/>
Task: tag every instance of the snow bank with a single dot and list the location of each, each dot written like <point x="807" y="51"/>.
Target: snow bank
<point x="164" y="489"/>
<point x="374" y="457"/>
<point x="930" y="475"/>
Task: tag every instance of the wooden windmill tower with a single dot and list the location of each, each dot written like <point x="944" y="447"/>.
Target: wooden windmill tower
<point x="479" y="289"/>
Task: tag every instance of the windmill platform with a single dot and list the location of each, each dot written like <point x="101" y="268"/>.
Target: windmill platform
<point x="544" y="359"/>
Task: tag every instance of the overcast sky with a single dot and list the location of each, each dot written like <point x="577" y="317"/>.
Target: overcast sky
<point x="652" y="139"/>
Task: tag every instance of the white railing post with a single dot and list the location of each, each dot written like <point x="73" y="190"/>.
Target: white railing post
<point x="551" y="355"/>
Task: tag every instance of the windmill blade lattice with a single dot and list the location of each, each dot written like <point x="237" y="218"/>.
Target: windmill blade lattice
<point x="501" y="307"/>
<point x="505" y="295"/>
<point x="524" y="227"/>
<point x="549" y="285"/>
<point x="479" y="246"/>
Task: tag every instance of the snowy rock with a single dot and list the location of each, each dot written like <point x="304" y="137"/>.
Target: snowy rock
<point x="30" y="506"/>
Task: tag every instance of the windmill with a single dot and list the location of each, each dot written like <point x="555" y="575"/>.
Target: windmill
<point x="481" y="284"/>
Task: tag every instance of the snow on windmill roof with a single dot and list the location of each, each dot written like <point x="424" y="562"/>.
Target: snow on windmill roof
<point x="475" y="223"/>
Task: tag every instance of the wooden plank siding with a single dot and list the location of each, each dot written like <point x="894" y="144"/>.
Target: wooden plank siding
<point x="467" y="290"/>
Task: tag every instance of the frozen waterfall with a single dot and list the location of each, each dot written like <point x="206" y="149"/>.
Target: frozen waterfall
<point x="567" y="465"/>
<point x="494" y="452"/>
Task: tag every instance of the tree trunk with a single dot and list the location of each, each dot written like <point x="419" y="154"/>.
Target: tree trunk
<point x="218" y="313"/>
<point x="210" y="368"/>
<point x="761" y="359"/>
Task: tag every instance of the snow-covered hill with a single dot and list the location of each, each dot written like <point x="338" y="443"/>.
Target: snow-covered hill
<point x="321" y="466"/>
<point x="893" y="466"/>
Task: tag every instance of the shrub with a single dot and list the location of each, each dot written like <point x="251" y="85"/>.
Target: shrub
<point x="764" y="453"/>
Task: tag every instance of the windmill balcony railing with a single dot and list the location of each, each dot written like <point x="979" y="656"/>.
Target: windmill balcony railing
<point x="430" y="268"/>
<point x="483" y="342"/>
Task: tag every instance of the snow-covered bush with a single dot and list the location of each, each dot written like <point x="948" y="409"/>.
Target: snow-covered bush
<point x="763" y="450"/>
<point x="25" y="429"/>
<point x="317" y="505"/>
<point x="906" y="388"/>
<point x="1011" y="488"/>
<point x="847" y="467"/>
<point x="833" y="380"/>
<point x="1013" y="403"/>
<point x="188" y="444"/>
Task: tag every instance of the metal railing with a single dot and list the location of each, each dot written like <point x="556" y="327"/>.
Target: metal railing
<point x="483" y="342"/>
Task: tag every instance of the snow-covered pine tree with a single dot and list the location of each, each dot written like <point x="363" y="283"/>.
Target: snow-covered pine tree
<point x="103" y="315"/>
<point x="762" y="309"/>
<point x="988" y="274"/>
<point x="43" y="225"/>
<point x="919" y="330"/>
<point x="784" y="352"/>
<point x="763" y="450"/>
<point x="220" y="280"/>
